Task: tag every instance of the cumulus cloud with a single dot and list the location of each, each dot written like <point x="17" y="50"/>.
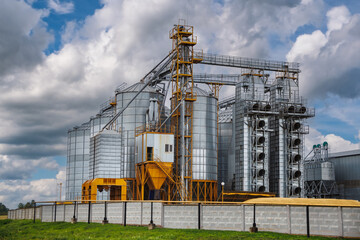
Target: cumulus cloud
<point x="61" y="7"/>
<point x="12" y="192"/>
<point x="23" y="38"/>
<point x="12" y="168"/>
<point x="336" y="143"/>
<point x="43" y="96"/>
<point x="330" y="62"/>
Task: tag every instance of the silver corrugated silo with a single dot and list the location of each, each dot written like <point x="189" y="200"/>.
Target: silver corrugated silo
<point x="100" y="120"/>
<point x="226" y="153"/>
<point x="204" y="163"/>
<point x="77" y="165"/>
<point x="134" y="116"/>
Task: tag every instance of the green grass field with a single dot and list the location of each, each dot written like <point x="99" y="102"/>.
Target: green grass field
<point x="26" y="229"/>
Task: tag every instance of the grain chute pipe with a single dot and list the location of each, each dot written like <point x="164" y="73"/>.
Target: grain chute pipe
<point x="168" y="117"/>
<point x="170" y="57"/>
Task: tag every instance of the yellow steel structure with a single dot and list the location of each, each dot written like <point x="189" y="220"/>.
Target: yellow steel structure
<point x="151" y="175"/>
<point x="120" y="188"/>
<point x="304" y="202"/>
<point x="116" y="186"/>
<point x="183" y="41"/>
<point x="204" y="190"/>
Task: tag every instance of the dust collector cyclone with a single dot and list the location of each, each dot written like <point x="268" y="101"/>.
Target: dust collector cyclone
<point x="295" y="174"/>
<point x="260" y="173"/>
<point x="259" y="140"/>
<point x="296" y="126"/>
<point x="260" y="124"/>
<point x="260" y="156"/>
<point x="295" y="191"/>
<point x="296" y="157"/>
<point x="294" y="142"/>
<point x="301" y="109"/>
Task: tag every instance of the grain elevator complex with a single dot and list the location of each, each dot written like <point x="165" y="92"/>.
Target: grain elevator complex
<point x="171" y="136"/>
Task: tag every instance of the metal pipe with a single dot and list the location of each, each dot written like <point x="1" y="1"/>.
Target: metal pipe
<point x="89" y="209"/>
<point x="170" y="56"/>
<point x="307" y="222"/>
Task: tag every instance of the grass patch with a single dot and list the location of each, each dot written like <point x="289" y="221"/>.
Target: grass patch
<point x="2" y="217"/>
<point x="26" y="229"/>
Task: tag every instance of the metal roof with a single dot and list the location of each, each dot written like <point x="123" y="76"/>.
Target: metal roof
<point x="345" y="153"/>
<point x="304" y="202"/>
<point x="225" y="115"/>
<point x="136" y="87"/>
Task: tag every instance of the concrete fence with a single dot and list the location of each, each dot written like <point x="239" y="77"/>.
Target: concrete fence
<point x="324" y="221"/>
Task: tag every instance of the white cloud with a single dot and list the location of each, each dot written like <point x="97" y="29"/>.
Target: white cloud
<point x="329" y="61"/>
<point x="307" y="45"/>
<point x="61" y="7"/>
<point x="337" y="18"/>
<point x="13" y="168"/>
<point x="12" y="192"/>
<point x="336" y="143"/>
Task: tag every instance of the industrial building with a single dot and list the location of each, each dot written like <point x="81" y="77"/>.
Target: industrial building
<point x="347" y="176"/>
<point x="171" y="135"/>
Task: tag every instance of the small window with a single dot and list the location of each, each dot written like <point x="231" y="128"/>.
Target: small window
<point x="170" y="148"/>
<point x="166" y="147"/>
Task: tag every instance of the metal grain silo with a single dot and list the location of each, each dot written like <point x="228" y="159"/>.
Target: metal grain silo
<point x="226" y="153"/>
<point x="134" y="116"/>
<point x="204" y="163"/>
<point x="77" y="166"/>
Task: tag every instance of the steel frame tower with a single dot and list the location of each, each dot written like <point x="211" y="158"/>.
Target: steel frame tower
<point x="183" y="41"/>
<point x="319" y="174"/>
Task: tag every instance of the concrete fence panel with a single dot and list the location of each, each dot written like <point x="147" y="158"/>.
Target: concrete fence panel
<point x="221" y="217"/>
<point x="115" y="213"/>
<point x="181" y="216"/>
<point x="351" y="222"/>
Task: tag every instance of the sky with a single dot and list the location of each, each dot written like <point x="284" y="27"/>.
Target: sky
<point x="60" y="59"/>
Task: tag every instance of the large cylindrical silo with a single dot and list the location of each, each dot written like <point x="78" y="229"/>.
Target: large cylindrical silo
<point x="77" y="165"/>
<point x="226" y="153"/>
<point x="204" y="163"/>
<point x="134" y="116"/>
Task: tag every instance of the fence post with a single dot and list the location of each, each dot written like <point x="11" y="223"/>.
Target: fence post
<point x="151" y="224"/>
<point x="307" y="222"/>
<point x="254" y="228"/>
<point x="34" y="211"/>
<point x="124" y="222"/>
<point x="89" y="212"/>
<point x="74" y="219"/>
<point x="105" y="221"/>
<point x="55" y="213"/>
<point x="199" y="215"/>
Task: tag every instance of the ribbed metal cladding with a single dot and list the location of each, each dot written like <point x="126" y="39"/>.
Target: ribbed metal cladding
<point x="77" y="164"/>
<point x="287" y="139"/>
<point x="251" y="135"/>
<point x="226" y="153"/>
<point x="204" y="163"/>
<point x="105" y="155"/>
<point x="133" y="117"/>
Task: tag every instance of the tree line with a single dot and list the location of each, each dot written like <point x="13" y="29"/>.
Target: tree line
<point x="3" y="209"/>
<point x="27" y="205"/>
